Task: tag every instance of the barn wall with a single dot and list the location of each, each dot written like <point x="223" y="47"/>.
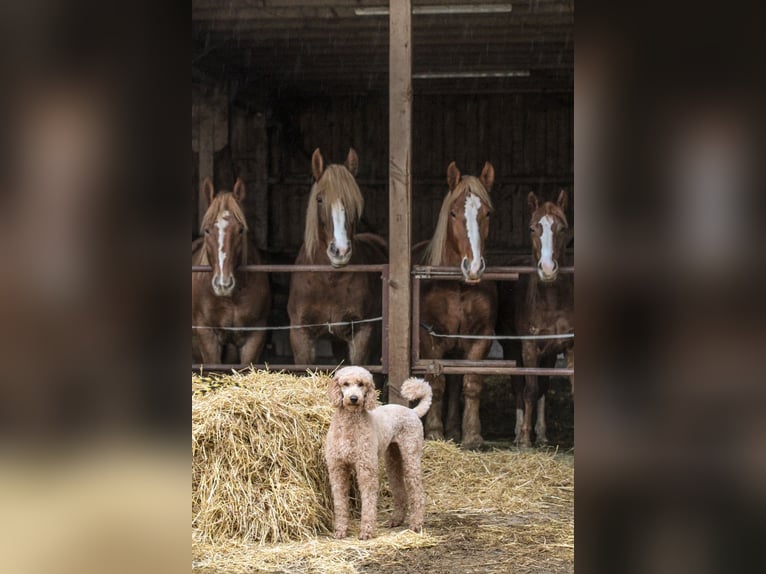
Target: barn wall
<point x="528" y="138"/>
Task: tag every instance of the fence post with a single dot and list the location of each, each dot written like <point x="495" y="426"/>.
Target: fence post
<point x="399" y="194"/>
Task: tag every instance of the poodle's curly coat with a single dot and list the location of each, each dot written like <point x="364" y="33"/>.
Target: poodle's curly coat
<point x="360" y="434"/>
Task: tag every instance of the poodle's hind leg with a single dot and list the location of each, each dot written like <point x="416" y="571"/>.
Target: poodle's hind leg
<point x="396" y="481"/>
<point x="413" y="480"/>
<point x="340" y="480"/>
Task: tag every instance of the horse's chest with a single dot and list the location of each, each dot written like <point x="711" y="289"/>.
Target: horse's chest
<point x="457" y="309"/>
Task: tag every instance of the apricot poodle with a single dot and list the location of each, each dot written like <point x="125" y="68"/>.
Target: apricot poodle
<point x="360" y="434"/>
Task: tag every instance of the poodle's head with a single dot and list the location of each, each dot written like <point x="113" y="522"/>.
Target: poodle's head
<point x="353" y="388"/>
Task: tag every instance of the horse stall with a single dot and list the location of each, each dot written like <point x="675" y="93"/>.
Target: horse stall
<point x="410" y="86"/>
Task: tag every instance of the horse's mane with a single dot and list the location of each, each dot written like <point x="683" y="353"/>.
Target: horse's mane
<point x="468" y="183"/>
<point x="223" y="201"/>
<point x="336" y="184"/>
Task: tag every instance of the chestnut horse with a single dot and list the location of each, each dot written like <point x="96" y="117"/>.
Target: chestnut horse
<point x="334" y="210"/>
<point x="541" y="303"/>
<point x="227" y="297"/>
<point x="465" y="307"/>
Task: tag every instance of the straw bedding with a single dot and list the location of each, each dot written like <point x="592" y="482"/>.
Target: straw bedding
<point x="261" y="498"/>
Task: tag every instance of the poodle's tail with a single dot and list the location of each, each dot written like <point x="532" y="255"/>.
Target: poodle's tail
<point x="414" y="389"/>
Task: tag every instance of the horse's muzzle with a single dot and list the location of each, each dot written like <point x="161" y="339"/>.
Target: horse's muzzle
<point x="468" y="275"/>
<point x="338" y="258"/>
<point x="549" y="276"/>
<point x="223" y="289"/>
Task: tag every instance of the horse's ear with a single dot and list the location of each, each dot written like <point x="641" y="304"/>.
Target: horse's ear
<point x="239" y="190"/>
<point x="453" y="176"/>
<point x="533" y="202"/>
<point x="563" y="200"/>
<point x="487" y="176"/>
<point x="317" y="164"/>
<point x="208" y="190"/>
<point x="352" y="161"/>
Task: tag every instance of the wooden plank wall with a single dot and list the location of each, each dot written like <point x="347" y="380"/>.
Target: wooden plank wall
<point x="527" y="137"/>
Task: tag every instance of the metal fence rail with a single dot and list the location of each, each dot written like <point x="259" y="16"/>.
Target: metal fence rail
<point x="420" y="365"/>
<point x="454" y="366"/>
<point x="382" y="269"/>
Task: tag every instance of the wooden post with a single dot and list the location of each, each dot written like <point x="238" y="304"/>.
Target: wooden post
<point x="399" y="194"/>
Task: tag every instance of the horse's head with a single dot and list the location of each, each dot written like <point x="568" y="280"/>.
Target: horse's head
<point x="335" y="207"/>
<point x="225" y="232"/>
<point x="464" y="222"/>
<point x="548" y="229"/>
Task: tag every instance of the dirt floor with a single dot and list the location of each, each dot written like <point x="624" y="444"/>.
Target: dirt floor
<point x="486" y="541"/>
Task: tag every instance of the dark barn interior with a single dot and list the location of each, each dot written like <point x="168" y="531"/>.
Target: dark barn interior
<point x="275" y="79"/>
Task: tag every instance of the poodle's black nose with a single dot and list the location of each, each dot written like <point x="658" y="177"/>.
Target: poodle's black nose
<point x="353" y="398"/>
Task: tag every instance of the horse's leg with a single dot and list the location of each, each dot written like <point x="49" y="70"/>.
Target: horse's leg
<point x="529" y="355"/>
<point x="570" y="365"/>
<point x="209" y="347"/>
<point x="542" y="388"/>
<point x="250" y="352"/>
<point x="453" y="430"/>
<point x="433" y="422"/>
<point x="518" y="392"/>
<point x="302" y="344"/>
<point x="359" y="345"/>
<point x="472" y="385"/>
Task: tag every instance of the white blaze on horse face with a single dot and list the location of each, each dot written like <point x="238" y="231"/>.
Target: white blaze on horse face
<point x="472" y="206"/>
<point x="546" y="251"/>
<point x="222" y="224"/>
<point x="339" y="228"/>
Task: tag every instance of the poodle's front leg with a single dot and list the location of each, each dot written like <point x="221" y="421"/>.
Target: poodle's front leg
<point x="367" y="476"/>
<point x="340" y="480"/>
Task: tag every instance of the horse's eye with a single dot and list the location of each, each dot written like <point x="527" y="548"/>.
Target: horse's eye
<point x="533" y="228"/>
<point x="241" y="230"/>
<point x="207" y="231"/>
<point x="452" y="214"/>
<point x="319" y="199"/>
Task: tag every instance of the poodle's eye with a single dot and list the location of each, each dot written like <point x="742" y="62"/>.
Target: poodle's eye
<point x="345" y="384"/>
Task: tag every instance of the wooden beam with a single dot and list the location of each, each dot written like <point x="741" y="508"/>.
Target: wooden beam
<point x="399" y="195"/>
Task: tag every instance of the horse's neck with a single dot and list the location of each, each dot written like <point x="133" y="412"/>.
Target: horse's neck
<point x="555" y="295"/>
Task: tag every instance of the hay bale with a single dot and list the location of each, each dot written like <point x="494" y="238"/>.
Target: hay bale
<point x="261" y="498"/>
<point x="258" y="472"/>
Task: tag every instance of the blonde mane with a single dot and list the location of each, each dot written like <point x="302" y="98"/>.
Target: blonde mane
<point x="223" y="201"/>
<point x="336" y="184"/>
<point x="468" y="183"/>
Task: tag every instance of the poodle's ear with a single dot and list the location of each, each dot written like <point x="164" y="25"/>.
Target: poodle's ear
<point x="333" y="392"/>
<point x="370" y="396"/>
